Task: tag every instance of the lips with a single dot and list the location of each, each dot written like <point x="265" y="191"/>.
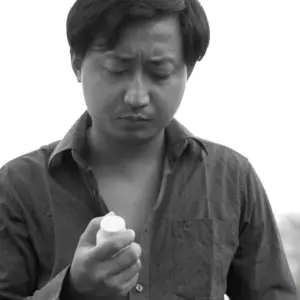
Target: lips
<point x="135" y="118"/>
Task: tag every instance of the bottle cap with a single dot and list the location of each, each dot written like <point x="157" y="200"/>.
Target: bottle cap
<point x="112" y="224"/>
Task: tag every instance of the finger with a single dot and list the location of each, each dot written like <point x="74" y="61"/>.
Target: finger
<point x="112" y="245"/>
<point x="128" y="274"/>
<point x="88" y="237"/>
<point x="127" y="287"/>
<point x="125" y="259"/>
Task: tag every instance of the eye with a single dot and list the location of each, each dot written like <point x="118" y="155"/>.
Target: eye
<point x="162" y="73"/>
<point x="117" y="72"/>
<point x="161" y="70"/>
<point x="161" y="76"/>
<point x="115" y="68"/>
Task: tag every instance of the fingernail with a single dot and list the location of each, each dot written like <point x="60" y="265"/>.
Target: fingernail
<point x="133" y="233"/>
<point x="110" y="213"/>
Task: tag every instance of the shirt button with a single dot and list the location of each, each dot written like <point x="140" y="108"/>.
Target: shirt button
<point x="187" y="225"/>
<point x="139" y="288"/>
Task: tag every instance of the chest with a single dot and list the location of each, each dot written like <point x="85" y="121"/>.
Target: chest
<point x="186" y="246"/>
<point x="131" y="197"/>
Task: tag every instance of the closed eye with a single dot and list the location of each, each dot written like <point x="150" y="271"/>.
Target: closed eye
<point x="161" y="69"/>
<point x="161" y="76"/>
<point x="117" y="72"/>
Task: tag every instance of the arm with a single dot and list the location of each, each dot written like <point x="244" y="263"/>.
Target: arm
<point x="18" y="261"/>
<point x="259" y="270"/>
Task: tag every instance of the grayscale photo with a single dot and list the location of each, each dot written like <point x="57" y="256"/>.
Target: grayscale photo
<point x="149" y="150"/>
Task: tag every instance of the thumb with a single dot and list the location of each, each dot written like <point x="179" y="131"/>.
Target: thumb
<point x="88" y="237"/>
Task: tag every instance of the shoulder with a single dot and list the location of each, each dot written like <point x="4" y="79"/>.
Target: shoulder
<point x="20" y="175"/>
<point x="25" y="163"/>
<point x="223" y="157"/>
<point x="232" y="168"/>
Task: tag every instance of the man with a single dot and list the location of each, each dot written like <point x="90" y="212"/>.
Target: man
<point x="199" y="221"/>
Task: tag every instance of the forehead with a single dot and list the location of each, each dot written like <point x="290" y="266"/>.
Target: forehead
<point x="152" y="38"/>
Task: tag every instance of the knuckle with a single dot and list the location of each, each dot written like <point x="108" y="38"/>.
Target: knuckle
<point x="109" y="283"/>
<point x="85" y="261"/>
<point x="107" y="278"/>
<point x="94" y="223"/>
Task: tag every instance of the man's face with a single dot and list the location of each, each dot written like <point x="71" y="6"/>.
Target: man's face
<point x="133" y="92"/>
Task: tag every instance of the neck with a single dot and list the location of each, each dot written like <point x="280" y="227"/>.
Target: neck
<point x="103" y="150"/>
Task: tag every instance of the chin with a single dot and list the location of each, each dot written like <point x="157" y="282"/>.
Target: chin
<point x="137" y="137"/>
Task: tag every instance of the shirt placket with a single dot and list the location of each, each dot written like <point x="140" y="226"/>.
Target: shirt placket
<point x="92" y="186"/>
<point x="142" y="289"/>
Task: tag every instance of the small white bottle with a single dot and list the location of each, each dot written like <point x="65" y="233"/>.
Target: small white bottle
<point x="110" y="225"/>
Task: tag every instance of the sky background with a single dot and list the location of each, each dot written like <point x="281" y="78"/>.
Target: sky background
<point x="245" y="94"/>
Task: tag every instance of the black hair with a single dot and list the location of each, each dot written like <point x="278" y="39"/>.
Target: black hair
<point x="89" y="19"/>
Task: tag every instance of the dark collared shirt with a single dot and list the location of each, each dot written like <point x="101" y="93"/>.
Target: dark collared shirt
<point x="211" y="231"/>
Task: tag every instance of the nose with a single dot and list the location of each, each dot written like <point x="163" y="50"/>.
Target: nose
<point x="137" y="95"/>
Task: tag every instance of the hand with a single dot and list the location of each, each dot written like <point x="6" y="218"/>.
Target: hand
<point x="110" y="269"/>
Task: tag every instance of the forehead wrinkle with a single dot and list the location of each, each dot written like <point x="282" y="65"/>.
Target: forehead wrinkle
<point x="160" y="39"/>
<point x="156" y="50"/>
<point x="144" y="58"/>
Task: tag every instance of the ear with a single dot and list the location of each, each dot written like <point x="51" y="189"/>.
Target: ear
<point x="76" y="65"/>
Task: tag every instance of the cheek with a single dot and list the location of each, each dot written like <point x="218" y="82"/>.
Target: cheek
<point x="172" y="96"/>
<point x="89" y="84"/>
<point x="95" y="90"/>
<point x="90" y="94"/>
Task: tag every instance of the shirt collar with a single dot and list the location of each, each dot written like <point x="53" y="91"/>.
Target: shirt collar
<point x="177" y="139"/>
<point x="73" y="142"/>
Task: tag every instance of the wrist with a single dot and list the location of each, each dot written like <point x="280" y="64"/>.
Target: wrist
<point x="68" y="291"/>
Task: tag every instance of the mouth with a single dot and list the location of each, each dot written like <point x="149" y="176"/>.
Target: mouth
<point x="135" y="118"/>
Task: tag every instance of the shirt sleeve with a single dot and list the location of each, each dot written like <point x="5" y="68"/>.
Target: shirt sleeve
<point x="18" y="261"/>
<point x="259" y="269"/>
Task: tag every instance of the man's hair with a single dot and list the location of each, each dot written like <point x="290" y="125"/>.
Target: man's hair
<point x="90" y="19"/>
